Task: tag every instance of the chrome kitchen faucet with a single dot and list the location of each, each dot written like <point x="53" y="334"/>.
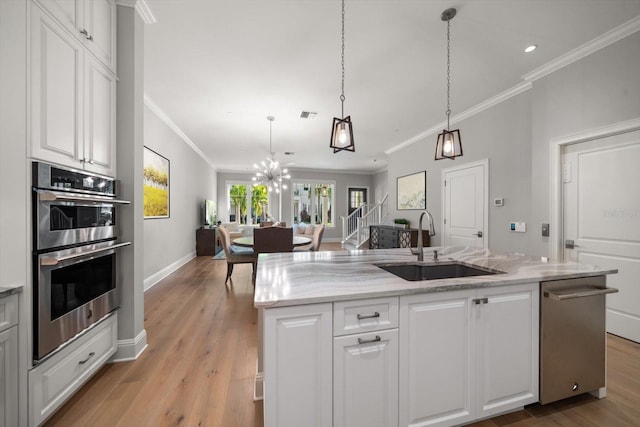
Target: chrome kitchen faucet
<point x="432" y="232"/>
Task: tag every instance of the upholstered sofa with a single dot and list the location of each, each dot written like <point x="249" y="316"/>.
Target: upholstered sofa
<point x="238" y="230"/>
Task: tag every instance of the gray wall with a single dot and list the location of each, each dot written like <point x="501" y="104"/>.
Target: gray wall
<point x="509" y="169"/>
<point x="342" y="180"/>
<point x="599" y="90"/>
<point x="171" y="241"/>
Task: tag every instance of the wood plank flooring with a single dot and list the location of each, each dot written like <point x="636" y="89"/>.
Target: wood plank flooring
<point x="199" y="366"/>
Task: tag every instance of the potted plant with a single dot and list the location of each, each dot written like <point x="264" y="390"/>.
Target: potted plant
<point x="401" y="223"/>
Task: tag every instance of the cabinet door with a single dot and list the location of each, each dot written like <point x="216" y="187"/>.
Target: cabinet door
<point x="100" y="24"/>
<point x="67" y="12"/>
<point x="57" y="92"/>
<point x="99" y="118"/>
<point x="298" y="366"/>
<point x="9" y="377"/>
<point x="365" y="379"/>
<point x="507" y="342"/>
<point x="436" y="371"/>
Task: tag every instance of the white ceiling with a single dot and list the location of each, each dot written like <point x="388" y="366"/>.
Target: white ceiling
<point x="219" y="68"/>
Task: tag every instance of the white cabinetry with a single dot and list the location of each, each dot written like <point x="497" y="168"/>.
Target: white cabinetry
<point x="365" y="371"/>
<point x="73" y="108"/>
<point x="9" y="361"/>
<point x="298" y="366"/>
<point x="53" y="381"/>
<point x="467" y="354"/>
<point x="92" y="22"/>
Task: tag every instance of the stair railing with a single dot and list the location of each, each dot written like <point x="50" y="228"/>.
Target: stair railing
<point x="358" y="222"/>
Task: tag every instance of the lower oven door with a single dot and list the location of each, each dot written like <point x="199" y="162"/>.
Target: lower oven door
<point x="75" y="288"/>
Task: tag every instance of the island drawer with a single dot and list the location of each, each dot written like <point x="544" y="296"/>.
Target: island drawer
<point x="352" y="317"/>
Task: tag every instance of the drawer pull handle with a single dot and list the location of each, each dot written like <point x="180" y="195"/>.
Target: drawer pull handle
<point x="368" y="316"/>
<point x="82" y="362"/>
<point x="376" y="339"/>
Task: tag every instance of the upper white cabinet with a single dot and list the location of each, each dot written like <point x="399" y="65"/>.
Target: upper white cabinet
<point x="92" y="22"/>
<point x="73" y="108"/>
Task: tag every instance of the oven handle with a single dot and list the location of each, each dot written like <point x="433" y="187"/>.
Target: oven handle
<point x="50" y="196"/>
<point x="49" y="261"/>
<point x="582" y="293"/>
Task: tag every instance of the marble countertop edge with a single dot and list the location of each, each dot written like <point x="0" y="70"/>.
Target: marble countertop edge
<point x="310" y="278"/>
<point x="7" y="290"/>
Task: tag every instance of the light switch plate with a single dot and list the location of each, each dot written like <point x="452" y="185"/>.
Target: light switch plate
<point x="498" y="202"/>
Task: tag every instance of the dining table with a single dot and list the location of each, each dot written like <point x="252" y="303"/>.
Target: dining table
<point x="247" y="241"/>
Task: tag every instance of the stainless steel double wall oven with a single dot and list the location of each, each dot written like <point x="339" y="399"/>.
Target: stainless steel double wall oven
<point x="75" y="242"/>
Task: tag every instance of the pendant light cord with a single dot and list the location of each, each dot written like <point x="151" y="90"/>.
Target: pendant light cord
<point x="448" y="112"/>
<point x="342" y="98"/>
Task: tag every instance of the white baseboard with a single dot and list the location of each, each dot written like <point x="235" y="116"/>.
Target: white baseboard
<point x="158" y="276"/>
<point x="130" y="349"/>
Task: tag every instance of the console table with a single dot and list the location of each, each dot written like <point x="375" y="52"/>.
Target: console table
<point x="207" y="241"/>
<point x="387" y="236"/>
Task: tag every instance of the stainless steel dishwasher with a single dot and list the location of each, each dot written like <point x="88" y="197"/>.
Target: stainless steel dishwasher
<point x="572" y="337"/>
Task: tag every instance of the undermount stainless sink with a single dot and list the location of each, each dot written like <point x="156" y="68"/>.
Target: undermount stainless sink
<point x="440" y="270"/>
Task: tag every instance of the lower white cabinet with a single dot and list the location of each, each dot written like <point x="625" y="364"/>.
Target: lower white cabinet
<point x="365" y="379"/>
<point x="56" y="379"/>
<point x="468" y="354"/>
<point x="447" y="358"/>
<point x="298" y="366"/>
<point x="9" y="361"/>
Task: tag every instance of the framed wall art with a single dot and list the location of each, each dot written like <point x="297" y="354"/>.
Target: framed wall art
<point x="156" y="185"/>
<point x="411" y="191"/>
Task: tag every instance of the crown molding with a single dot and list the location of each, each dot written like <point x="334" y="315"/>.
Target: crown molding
<point x="142" y="7"/>
<point x="174" y="127"/>
<point x="586" y="49"/>
<point x="478" y="108"/>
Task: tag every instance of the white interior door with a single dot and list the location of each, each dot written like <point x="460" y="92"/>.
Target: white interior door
<point x="601" y="210"/>
<point x="465" y="201"/>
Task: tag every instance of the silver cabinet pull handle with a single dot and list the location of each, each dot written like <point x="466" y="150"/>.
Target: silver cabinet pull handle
<point x="82" y="362"/>
<point x="376" y="339"/>
<point x="368" y="316"/>
<point x="581" y="293"/>
<point x="51" y="261"/>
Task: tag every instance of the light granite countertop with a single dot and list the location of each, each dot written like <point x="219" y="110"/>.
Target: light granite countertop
<point x="7" y="290"/>
<point x="313" y="277"/>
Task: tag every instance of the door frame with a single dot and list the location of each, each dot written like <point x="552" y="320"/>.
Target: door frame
<point x="556" y="238"/>
<point x="485" y="207"/>
<point x="349" y="187"/>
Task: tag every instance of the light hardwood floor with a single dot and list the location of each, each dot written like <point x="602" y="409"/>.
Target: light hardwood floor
<point x="199" y="366"/>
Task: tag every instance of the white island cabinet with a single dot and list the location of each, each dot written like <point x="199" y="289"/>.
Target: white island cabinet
<point x="347" y="343"/>
<point x="468" y="354"/>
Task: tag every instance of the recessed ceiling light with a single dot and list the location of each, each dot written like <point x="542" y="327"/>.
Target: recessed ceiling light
<point x="531" y="48"/>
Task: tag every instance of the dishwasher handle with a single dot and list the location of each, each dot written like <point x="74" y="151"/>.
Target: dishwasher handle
<point x="580" y="293"/>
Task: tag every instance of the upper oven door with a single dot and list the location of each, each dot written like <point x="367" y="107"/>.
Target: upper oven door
<point x="64" y="219"/>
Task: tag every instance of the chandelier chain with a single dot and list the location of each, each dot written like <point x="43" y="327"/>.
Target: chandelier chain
<point x="448" y="112"/>
<point x="342" y="98"/>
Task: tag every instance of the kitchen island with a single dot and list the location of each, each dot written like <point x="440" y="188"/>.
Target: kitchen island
<point x="349" y="343"/>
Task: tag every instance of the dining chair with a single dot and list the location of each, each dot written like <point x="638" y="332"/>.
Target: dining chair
<point x="272" y="239"/>
<point x="316" y="239"/>
<point x="235" y="254"/>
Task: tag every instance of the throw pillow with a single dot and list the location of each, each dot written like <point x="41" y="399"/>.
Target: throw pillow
<point x="309" y="230"/>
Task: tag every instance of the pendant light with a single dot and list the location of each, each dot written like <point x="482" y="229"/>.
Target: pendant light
<point x="449" y="144"/>
<point x="269" y="173"/>
<point x="342" y="129"/>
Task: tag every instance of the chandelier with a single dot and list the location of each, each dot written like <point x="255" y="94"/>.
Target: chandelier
<point x="269" y="172"/>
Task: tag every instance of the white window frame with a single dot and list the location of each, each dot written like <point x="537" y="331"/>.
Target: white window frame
<point x="315" y="182"/>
